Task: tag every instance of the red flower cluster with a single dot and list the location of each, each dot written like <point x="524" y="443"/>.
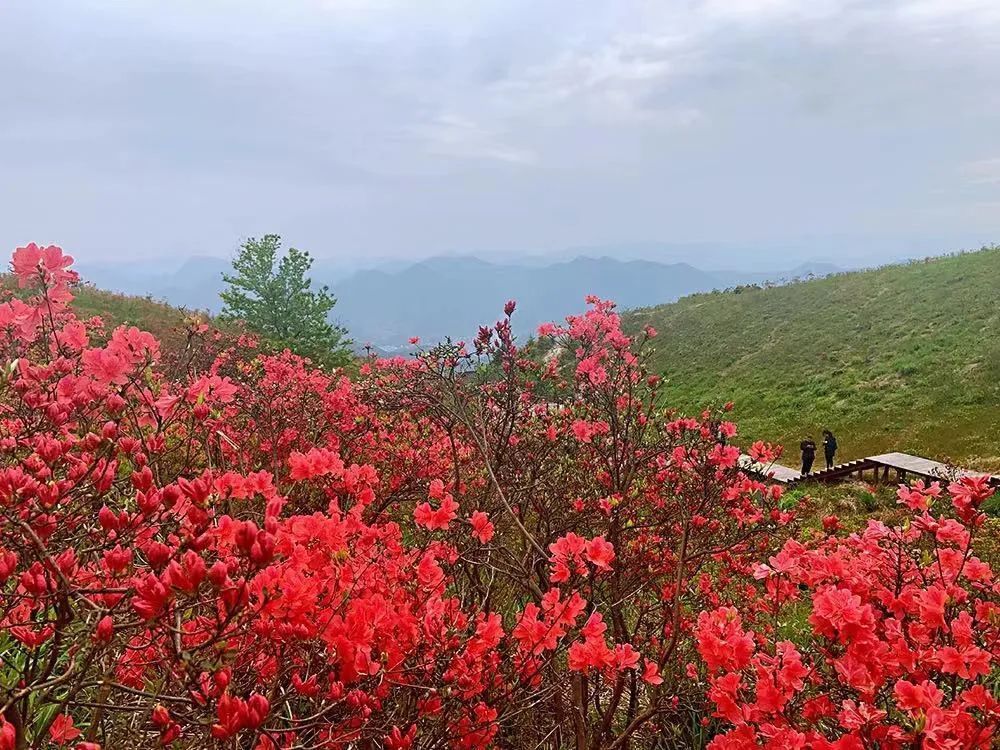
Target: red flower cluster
<point x="904" y="631"/>
<point x="513" y="546"/>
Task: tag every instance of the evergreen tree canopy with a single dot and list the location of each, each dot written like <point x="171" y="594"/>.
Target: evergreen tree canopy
<point x="272" y="294"/>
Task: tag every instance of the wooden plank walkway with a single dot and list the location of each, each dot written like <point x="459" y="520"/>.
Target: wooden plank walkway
<point x="900" y="467"/>
<point x="776" y="472"/>
<point x="923" y="467"/>
<point x="840" y="471"/>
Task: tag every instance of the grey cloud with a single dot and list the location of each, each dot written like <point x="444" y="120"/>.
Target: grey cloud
<point x="397" y="128"/>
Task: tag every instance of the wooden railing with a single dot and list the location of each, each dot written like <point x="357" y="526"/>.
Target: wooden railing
<point x="884" y="467"/>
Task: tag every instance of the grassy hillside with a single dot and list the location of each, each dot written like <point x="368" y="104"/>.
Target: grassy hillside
<point x="158" y="318"/>
<point x="164" y="321"/>
<point x="904" y="358"/>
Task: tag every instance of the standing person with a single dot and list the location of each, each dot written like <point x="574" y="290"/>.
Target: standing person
<point x="829" y="447"/>
<point x="808" y="448"/>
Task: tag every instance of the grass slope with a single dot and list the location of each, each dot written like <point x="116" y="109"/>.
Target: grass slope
<point x="903" y="358"/>
<point x="164" y="321"/>
<point x="158" y="318"/>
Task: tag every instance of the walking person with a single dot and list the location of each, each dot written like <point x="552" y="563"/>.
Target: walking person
<point x="829" y="448"/>
<point x="808" y="448"/>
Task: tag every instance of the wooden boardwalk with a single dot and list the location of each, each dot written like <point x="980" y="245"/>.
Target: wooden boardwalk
<point x="923" y="467"/>
<point x="775" y="472"/>
<point x="885" y="467"/>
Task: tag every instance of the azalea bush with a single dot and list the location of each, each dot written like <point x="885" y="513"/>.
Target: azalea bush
<point x="899" y="644"/>
<point x="187" y="561"/>
<point x="485" y="545"/>
<point x="599" y="524"/>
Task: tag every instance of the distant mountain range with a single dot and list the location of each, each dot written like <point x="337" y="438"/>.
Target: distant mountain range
<point x="452" y="296"/>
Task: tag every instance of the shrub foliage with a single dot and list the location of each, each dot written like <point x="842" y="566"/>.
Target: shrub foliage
<point x="481" y="546"/>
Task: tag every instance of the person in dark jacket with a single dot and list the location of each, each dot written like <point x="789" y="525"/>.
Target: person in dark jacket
<point x="808" y="448"/>
<point x="829" y="447"/>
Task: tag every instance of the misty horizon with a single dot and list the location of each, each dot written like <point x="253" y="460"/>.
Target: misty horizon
<point x="705" y="255"/>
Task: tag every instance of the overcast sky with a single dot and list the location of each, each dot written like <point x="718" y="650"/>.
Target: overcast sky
<point x="408" y="128"/>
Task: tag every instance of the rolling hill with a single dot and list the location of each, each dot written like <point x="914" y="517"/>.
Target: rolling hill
<point x="164" y="321"/>
<point x="443" y="297"/>
<point x="158" y="318"/>
<point x="903" y="357"/>
<point x="446" y="295"/>
<point x="193" y="283"/>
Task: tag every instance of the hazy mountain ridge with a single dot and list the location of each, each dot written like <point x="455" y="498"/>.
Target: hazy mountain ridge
<point x="451" y="295"/>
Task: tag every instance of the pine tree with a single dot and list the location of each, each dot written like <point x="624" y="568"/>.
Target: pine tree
<point x="273" y="296"/>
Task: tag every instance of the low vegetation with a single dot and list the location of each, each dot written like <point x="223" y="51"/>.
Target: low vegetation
<point x="905" y="357"/>
<point x="159" y="318"/>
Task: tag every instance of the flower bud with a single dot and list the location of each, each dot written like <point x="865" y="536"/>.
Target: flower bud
<point x="161" y="717"/>
<point x="105" y="629"/>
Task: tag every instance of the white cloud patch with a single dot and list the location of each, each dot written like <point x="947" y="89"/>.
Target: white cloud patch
<point x="982" y="171"/>
<point x="610" y="83"/>
<point x="985" y="12"/>
<point x="456" y="136"/>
